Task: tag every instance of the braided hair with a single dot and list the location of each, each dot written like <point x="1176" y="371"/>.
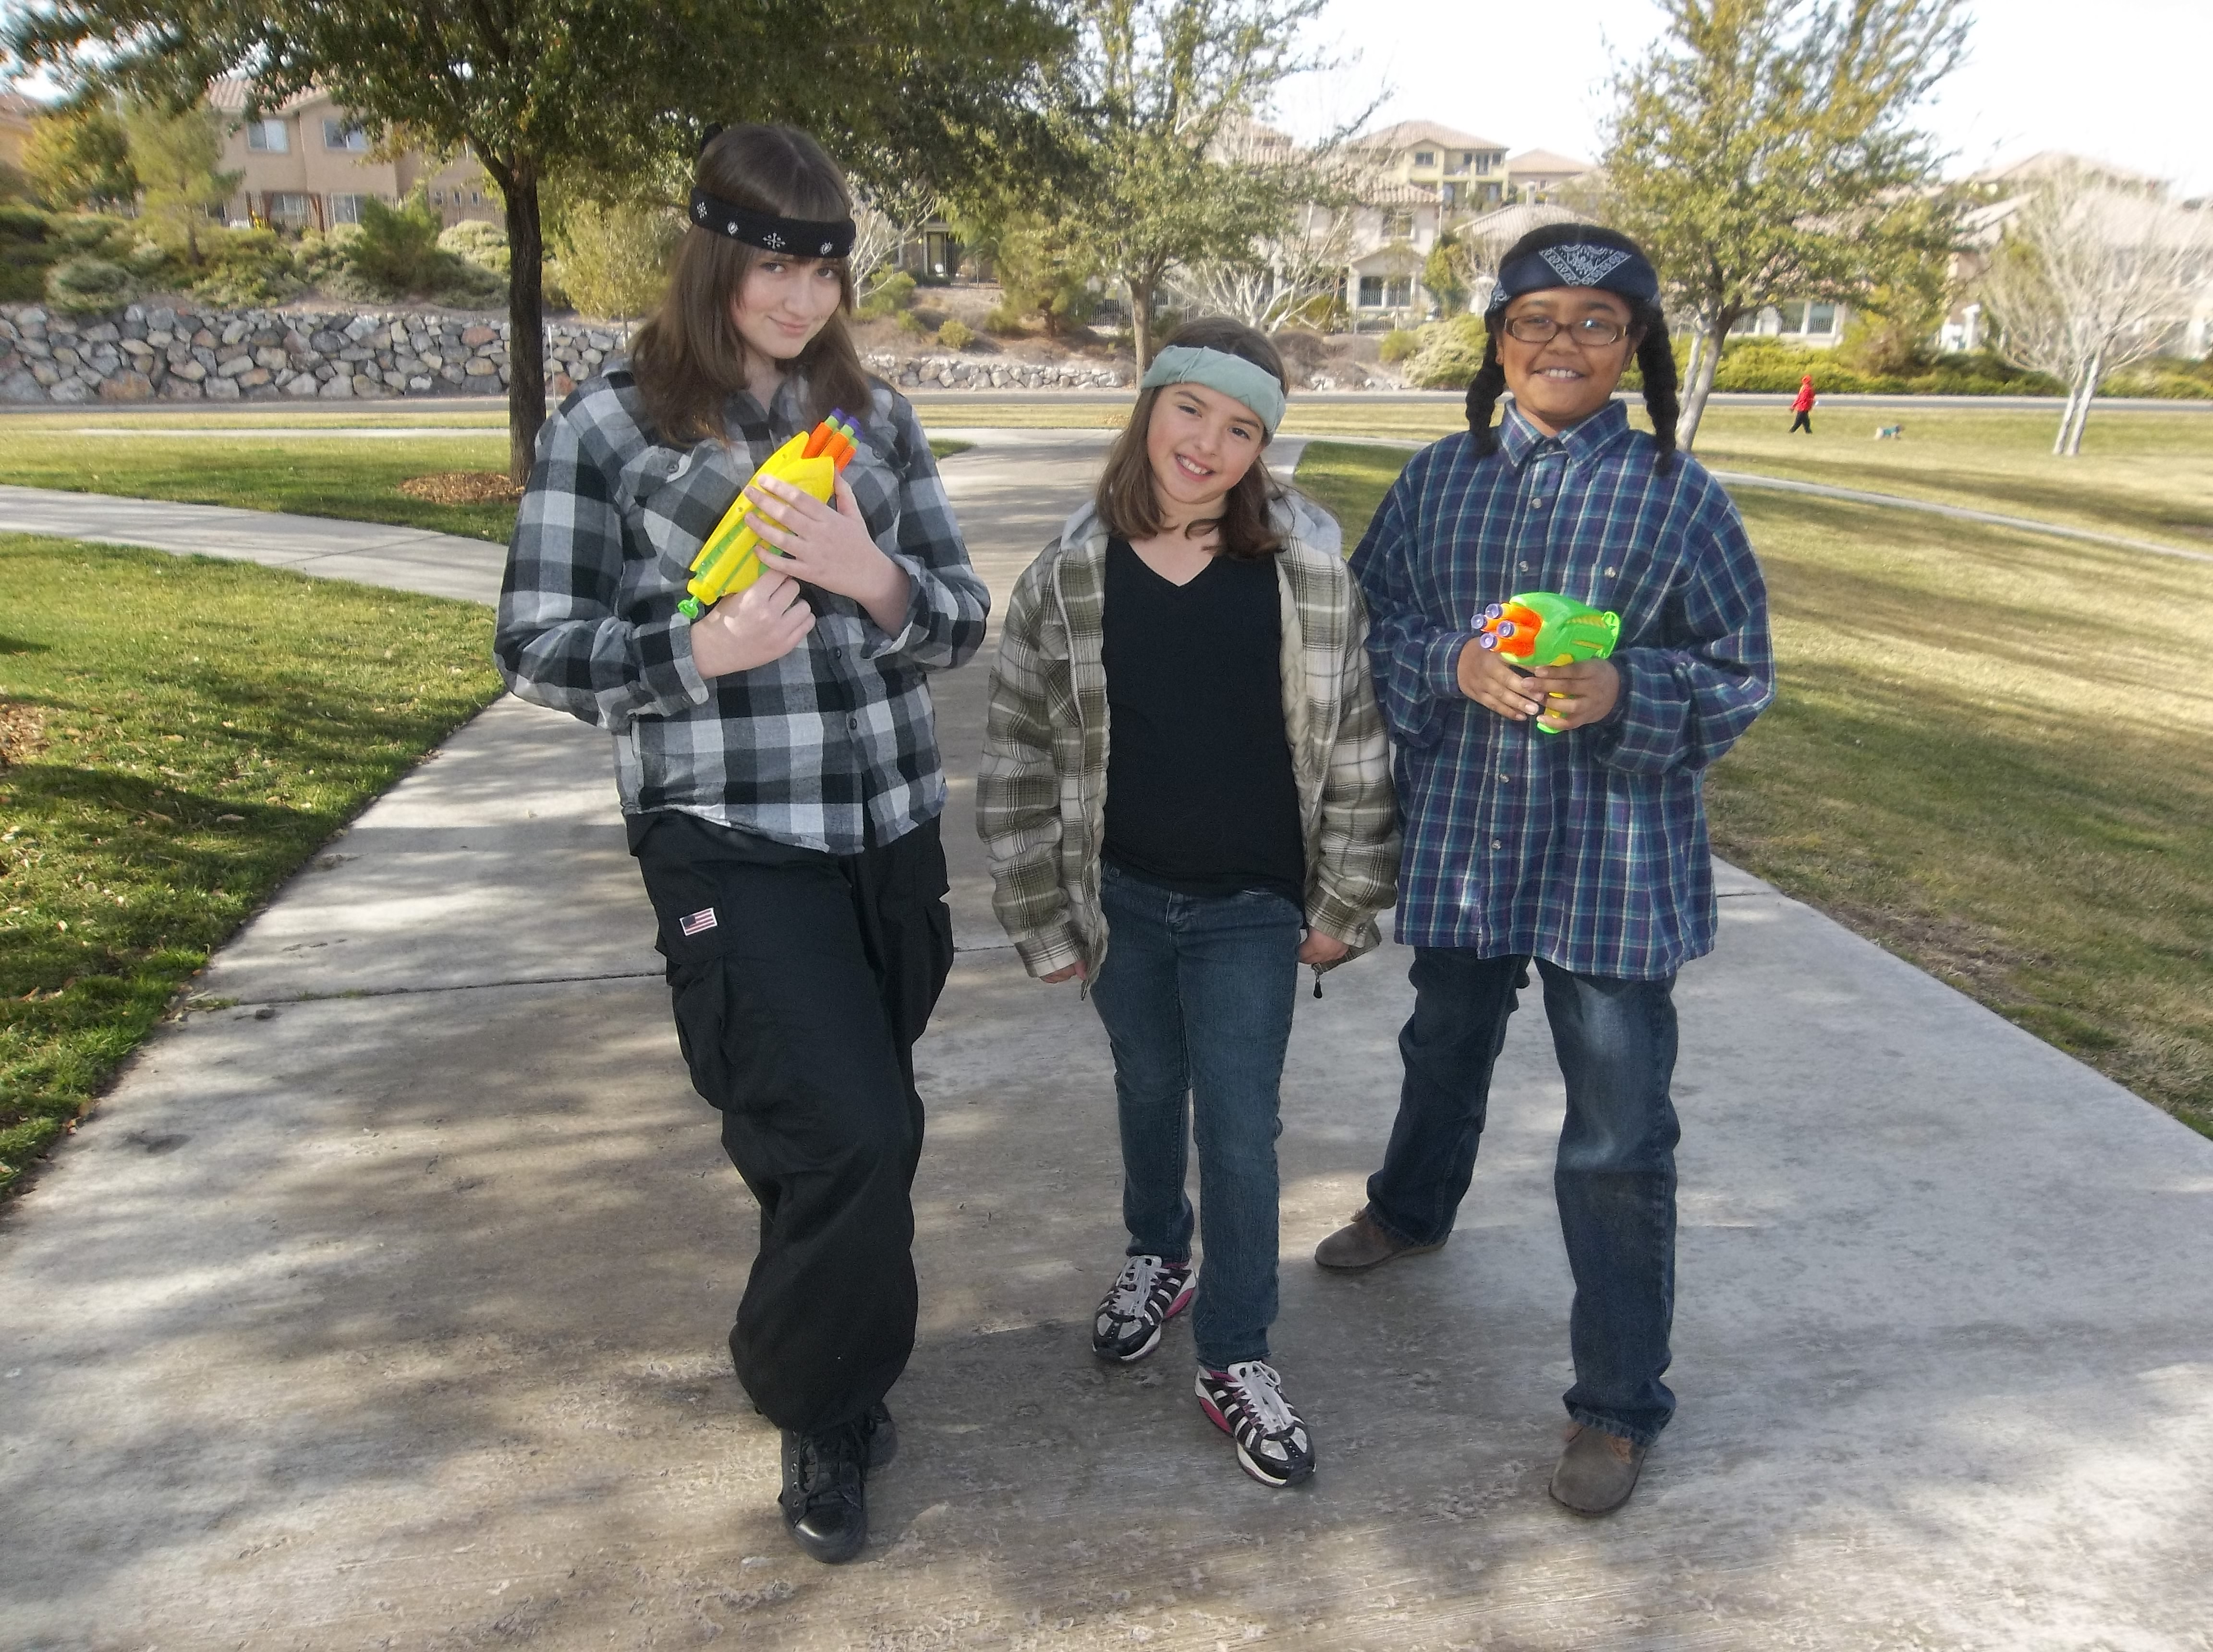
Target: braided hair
<point x="1655" y="352"/>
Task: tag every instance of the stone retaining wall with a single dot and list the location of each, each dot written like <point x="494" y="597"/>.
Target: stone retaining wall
<point x="156" y="352"/>
<point x="152" y="352"/>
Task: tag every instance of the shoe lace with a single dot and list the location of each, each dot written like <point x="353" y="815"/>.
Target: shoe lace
<point x="1127" y="1299"/>
<point x="829" y="1463"/>
<point x="1264" y="1397"/>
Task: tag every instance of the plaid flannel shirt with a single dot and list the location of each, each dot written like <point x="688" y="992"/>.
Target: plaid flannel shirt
<point x="1587" y="849"/>
<point x="830" y="747"/>
<point x="1041" y="793"/>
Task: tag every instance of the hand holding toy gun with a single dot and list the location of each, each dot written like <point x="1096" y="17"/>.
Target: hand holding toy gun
<point x="1543" y="628"/>
<point x="730" y="560"/>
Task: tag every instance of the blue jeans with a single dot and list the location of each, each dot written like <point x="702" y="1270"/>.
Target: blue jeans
<point x="1196" y="994"/>
<point x="1614" y="1178"/>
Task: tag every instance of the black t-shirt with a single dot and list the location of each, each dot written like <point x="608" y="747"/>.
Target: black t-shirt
<point x="1200" y="793"/>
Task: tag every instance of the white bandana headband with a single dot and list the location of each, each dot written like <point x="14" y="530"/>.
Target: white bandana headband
<point x="1217" y="369"/>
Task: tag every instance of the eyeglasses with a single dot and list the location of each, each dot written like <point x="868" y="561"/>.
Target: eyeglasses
<point x="1592" y="330"/>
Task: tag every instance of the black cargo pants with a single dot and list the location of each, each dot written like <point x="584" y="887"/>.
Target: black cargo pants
<point x="801" y="981"/>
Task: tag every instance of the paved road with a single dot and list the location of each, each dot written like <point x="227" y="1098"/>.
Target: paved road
<point x="383" y="1306"/>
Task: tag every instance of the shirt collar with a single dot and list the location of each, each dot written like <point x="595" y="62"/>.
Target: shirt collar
<point x="1520" y="438"/>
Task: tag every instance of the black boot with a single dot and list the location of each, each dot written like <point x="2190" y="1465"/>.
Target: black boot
<point x="826" y="1496"/>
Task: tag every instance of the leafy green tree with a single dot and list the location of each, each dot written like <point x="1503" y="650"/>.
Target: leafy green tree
<point x="1158" y="95"/>
<point x="78" y="156"/>
<point x="533" y="88"/>
<point x="1446" y="273"/>
<point x="175" y="156"/>
<point x="1762" y="151"/>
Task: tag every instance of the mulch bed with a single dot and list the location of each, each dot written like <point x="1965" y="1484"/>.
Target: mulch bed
<point x="461" y="488"/>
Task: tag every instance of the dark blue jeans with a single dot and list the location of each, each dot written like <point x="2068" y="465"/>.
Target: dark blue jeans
<point x="1196" y="994"/>
<point x="1614" y="1178"/>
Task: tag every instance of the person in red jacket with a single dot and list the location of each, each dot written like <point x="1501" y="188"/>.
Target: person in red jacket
<point x="1802" y="410"/>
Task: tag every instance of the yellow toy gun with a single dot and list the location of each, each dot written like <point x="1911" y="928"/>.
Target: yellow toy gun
<point x="730" y="560"/>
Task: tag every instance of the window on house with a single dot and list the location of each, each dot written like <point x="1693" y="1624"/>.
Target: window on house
<point x="1397" y="226"/>
<point x="1398" y="292"/>
<point x="267" y="137"/>
<point x="1371" y="292"/>
<point x="1491" y="193"/>
<point x="1463" y="161"/>
<point x="291" y="212"/>
<point x="346" y="208"/>
<point x="476" y="196"/>
<point x="1426" y="157"/>
<point x="1451" y="194"/>
<point x="342" y="135"/>
<point x="1820" y="318"/>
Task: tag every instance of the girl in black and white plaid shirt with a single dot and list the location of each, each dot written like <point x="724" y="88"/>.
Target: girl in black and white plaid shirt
<point x="777" y="765"/>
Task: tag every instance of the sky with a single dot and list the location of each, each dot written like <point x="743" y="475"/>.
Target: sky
<point x="2122" y="81"/>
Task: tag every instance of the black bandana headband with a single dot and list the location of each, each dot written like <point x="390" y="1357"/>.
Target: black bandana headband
<point x="794" y="237"/>
<point x="1622" y="271"/>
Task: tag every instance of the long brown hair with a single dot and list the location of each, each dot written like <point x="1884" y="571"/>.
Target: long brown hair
<point x="690" y="358"/>
<point x="1128" y="502"/>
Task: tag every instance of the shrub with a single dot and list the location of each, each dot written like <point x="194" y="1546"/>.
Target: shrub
<point x="476" y="242"/>
<point x="956" y="334"/>
<point x="892" y="294"/>
<point x="1003" y="320"/>
<point x="1447" y="354"/>
<point x="908" y="321"/>
<point x="614" y="261"/>
<point x="1398" y="344"/>
<point x="84" y="286"/>
<point x="397" y="250"/>
<point x="247" y="266"/>
<point x="26" y="252"/>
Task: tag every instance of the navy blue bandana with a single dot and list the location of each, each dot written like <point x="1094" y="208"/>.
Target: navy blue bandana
<point x="793" y="237"/>
<point x="1594" y="263"/>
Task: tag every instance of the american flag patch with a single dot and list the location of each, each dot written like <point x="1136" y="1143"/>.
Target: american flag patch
<point x="696" y="922"/>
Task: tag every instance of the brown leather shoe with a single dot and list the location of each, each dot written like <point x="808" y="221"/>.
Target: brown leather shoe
<point x="1361" y="1243"/>
<point x="1597" y="1470"/>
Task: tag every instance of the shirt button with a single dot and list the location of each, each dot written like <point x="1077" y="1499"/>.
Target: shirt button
<point x="1525" y="567"/>
<point x="1498" y="843"/>
<point x="852" y="723"/>
<point x="1538" y="505"/>
<point x="1503" y="775"/>
<point x="1609" y="573"/>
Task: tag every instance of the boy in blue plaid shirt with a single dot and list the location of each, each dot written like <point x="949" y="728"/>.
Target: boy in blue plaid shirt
<point x="1582" y="851"/>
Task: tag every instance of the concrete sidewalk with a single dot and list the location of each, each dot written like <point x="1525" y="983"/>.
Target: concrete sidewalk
<point x="384" y="1306"/>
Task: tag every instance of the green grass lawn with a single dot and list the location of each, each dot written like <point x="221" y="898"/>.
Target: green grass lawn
<point x="1957" y="767"/>
<point x="322" y="476"/>
<point x="205" y="726"/>
<point x="353" y="478"/>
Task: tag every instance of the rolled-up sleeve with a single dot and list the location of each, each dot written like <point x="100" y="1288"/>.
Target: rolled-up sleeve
<point x="947" y="603"/>
<point x="1685" y="698"/>
<point x="561" y="640"/>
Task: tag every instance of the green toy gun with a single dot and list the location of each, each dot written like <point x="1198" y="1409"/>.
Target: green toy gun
<point x="730" y="559"/>
<point x="1543" y="628"/>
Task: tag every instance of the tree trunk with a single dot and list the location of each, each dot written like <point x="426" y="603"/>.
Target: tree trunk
<point x="2081" y="411"/>
<point x="1141" y="320"/>
<point x="1706" y="360"/>
<point x="525" y="319"/>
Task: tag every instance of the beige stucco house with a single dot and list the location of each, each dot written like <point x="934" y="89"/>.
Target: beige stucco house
<point x="308" y="166"/>
<point x="1536" y="176"/>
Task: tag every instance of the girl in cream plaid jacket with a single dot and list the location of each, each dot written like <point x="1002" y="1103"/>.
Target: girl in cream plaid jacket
<point x="1041" y="793"/>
